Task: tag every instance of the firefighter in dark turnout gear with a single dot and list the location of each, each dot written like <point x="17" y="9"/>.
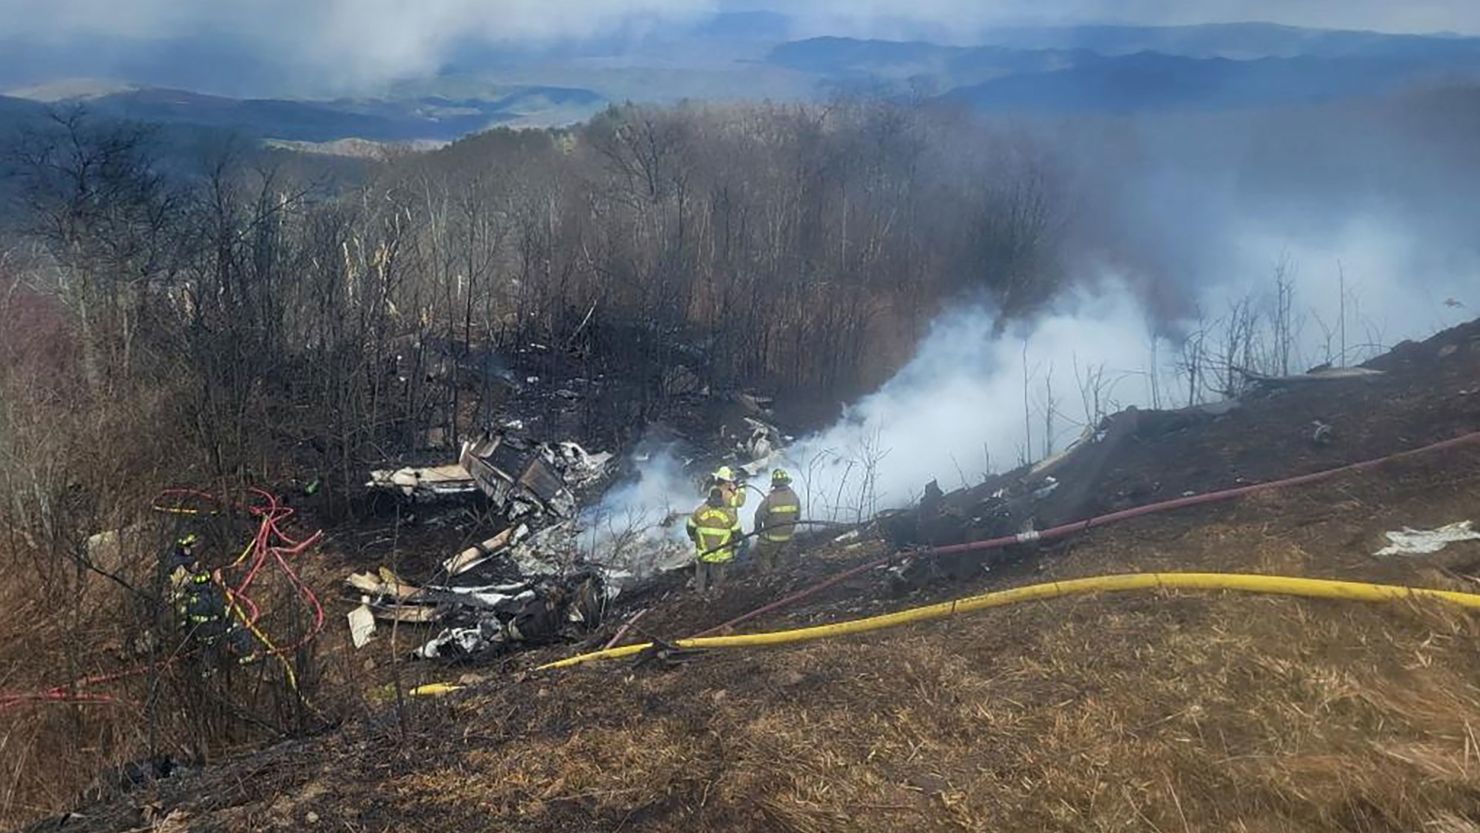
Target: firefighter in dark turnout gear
<point x="201" y="611"/>
<point x="197" y="600"/>
<point x="775" y="521"/>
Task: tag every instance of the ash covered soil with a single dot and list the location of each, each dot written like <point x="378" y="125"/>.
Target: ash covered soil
<point x="1144" y="711"/>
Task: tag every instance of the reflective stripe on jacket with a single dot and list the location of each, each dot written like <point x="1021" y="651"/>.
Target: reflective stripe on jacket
<point x="196" y="597"/>
<point x="777" y="515"/>
<point x="714" y="528"/>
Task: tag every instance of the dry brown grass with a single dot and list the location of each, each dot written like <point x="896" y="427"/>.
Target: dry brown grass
<point x="1150" y="712"/>
<point x="52" y="633"/>
<point x="1157" y="712"/>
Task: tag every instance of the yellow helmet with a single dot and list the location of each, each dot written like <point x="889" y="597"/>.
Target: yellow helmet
<point x="724" y="474"/>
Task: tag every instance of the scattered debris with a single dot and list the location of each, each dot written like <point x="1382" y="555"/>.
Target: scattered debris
<point x="1319" y="374"/>
<point x="434" y="689"/>
<point x="481" y="552"/>
<point x="547" y="611"/>
<point x="1323" y="433"/>
<point x="516" y="477"/>
<point x="1424" y="541"/>
<point x="763" y="442"/>
<point x="361" y="625"/>
<point x="424" y="482"/>
<point x="580" y="467"/>
<point x="1088" y="436"/>
<point x="382" y="583"/>
<point x="521" y="478"/>
<point x="1049" y="484"/>
<point x="755" y="405"/>
<point x="409" y="614"/>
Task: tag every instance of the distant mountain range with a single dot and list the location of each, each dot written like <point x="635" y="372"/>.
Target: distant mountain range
<point x="1150" y="81"/>
<point x="1227" y="40"/>
<point x="384" y="120"/>
<point x="1118" y="69"/>
<point x="1087" y="69"/>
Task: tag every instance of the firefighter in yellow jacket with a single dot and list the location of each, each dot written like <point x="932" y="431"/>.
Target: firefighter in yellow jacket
<point x="725" y="480"/>
<point x="715" y="529"/>
<point x="775" y="521"/>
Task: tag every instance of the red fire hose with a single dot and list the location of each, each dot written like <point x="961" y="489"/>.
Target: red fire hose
<point x="271" y="545"/>
<point x="1065" y="530"/>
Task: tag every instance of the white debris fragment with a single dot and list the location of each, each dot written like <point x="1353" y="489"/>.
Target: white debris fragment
<point x="424" y="481"/>
<point x="1087" y="437"/>
<point x="469" y="640"/>
<point x="1322" y="374"/>
<point x="1423" y="541"/>
<point x="481" y="552"/>
<point x="361" y="625"/>
<point x="759" y="405"/>
<point x="490" y="599"/>
<point x="579" y="466"/>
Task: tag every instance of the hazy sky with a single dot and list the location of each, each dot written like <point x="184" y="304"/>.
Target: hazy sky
<point x="1383" y="15"/>
<point x="358" y="41"/>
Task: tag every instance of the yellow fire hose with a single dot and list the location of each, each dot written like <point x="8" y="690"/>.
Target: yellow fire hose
<point x="1243" y="582"/>
<point x="241" y="615"/>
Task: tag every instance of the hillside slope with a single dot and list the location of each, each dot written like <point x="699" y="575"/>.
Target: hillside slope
<point x="1147" y="711"/>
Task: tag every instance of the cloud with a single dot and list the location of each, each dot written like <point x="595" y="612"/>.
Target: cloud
<point x="347" y="42"/>
<point x="963" y="19"/>
<point x="265" y="46"/>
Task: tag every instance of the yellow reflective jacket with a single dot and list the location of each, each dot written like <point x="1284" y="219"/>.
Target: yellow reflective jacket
<point x="777" y="515"/>
<point x="714" y="528"/>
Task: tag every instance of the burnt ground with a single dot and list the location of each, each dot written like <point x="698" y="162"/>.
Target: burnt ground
<point x="1128" y="712"/>
<point x="1430" y="392"/>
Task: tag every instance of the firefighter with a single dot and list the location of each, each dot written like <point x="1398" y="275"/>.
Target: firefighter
<point x="724" y="480"/>
<point x="775" y="521"/>
<point x="201" y="610"/>
<point x="714" y="528"/>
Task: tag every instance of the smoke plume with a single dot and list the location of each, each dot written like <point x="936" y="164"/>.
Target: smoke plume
<point x="1182" y="225"/>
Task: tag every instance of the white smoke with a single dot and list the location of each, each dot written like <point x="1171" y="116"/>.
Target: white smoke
<point x="983" y="396"/>
<point x="639" y="523"/>
<point x="954" y="413"/>
<point x="957" y="411"/>
<point x="978" y="398"/>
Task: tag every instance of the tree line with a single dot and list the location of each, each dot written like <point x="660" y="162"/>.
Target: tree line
<point x="246" y="309"/>
<point x="215" y="314"/>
